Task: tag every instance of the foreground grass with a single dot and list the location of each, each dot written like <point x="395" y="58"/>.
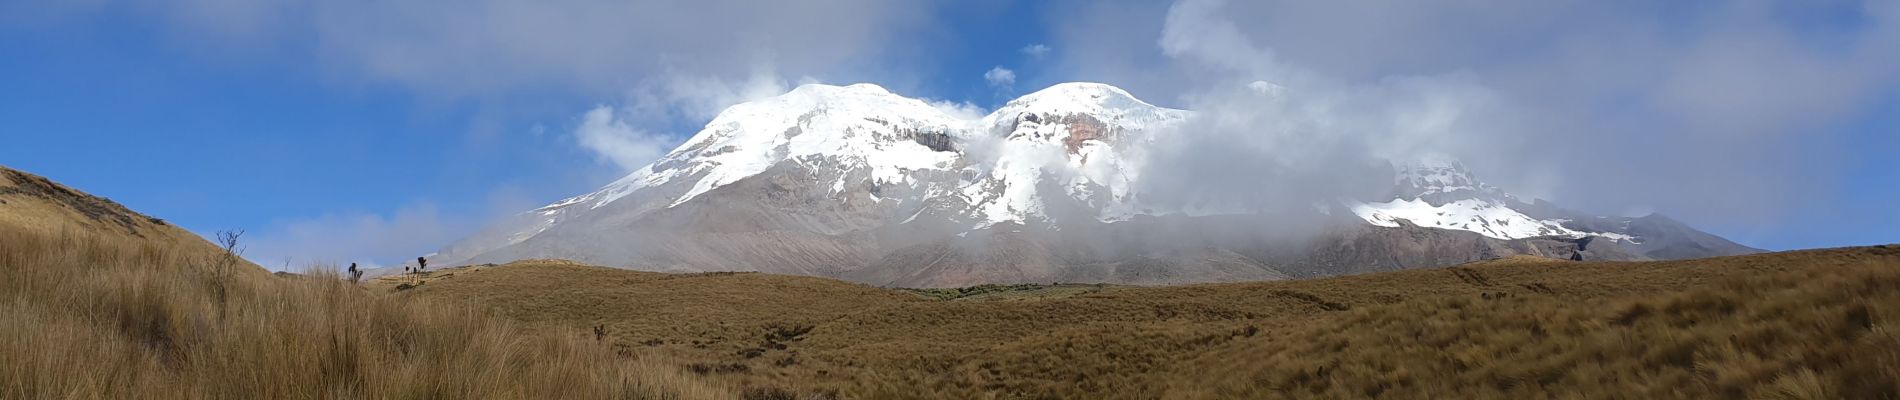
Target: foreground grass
<point x="1797" y="325"/>
<point x="86" y="315"/>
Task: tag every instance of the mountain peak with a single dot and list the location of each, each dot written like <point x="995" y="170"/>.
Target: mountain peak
<point x="1435" y="174"/>
<point x="827" y="89"/>
<point x="863" y="99"/>
<point x="857" y="182"/>
<point x="810" y="96"/>
<point x="1430" y="161"/>
<point x="1089" y="88"/>
<point x="1083" y="97"/>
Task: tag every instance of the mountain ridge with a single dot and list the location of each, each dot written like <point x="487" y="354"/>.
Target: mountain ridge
<point x="858" y="183"/>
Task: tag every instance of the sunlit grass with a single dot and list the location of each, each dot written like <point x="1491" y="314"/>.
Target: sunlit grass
<point x="1813" y="324"/>
<point x="87" y="316"/>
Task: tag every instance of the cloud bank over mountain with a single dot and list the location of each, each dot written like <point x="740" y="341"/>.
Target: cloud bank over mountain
<point x="1607" y="105"/>
<point x="1610" y="107"/>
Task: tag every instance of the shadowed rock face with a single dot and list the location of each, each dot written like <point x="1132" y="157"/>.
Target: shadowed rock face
<point x="859" y="184"/>
<point x="1083" y="128"/>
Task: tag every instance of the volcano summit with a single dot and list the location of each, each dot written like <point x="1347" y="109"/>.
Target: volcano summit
<point x="857" y="183"/>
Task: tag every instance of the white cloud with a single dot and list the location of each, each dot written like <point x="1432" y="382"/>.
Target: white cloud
<point x="666" y="64"/>
<point x="620" y="135"/>
<point x="370" y="239"/>
<point x="499" y="48"/>
<point x="1272" y="136"/>
<point x="1598" y="105"/>
<point x="1035" y="50"/>
<point x="375" y="239"/>
<point x="612" y="139"/>
<point x="675" y="95"/>
<point x="960" y="110"/>
<point x="1000" y="77"/>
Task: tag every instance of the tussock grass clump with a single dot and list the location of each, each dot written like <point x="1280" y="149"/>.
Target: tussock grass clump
<point x="90" y="316"/>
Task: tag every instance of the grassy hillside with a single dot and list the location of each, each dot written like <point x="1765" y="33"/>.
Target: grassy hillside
<point x="97" y="302"/>
<point x="101" y="302"/>
<point x="33" y="204"/>
<point x="1806" y="324"/>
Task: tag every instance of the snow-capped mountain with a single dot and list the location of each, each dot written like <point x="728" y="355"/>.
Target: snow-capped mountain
<point x="858" y="183"/>
<point x="1437" y="192"/>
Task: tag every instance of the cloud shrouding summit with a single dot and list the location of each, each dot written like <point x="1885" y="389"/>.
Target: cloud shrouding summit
<point x="613" y="139"/>
<point x="1717" y="112"/>
<point x="1714" y="112"/>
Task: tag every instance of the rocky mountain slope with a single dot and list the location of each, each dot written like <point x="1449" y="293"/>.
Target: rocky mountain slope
<point x="857" y="183"/>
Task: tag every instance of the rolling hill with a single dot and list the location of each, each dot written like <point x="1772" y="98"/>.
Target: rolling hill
<point x="34" y="204"/>
<point x="100" y="302"/>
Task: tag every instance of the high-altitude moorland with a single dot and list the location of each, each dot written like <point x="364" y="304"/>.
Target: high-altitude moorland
<point x="1802" y="324"/>
<point x="101" y="302"/>
<point x="98" y="302"/>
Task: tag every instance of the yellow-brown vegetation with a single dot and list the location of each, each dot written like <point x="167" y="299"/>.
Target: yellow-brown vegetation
<point x="88" y="318"/>
<point x="97" y="302"/>
<point x="100" y="302"/>
<point x="1804" y="324"/>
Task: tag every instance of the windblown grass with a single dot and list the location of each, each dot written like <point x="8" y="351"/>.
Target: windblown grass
<point x="84" y="315"/>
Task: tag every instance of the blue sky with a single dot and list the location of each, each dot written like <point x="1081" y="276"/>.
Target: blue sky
<point x="359" y="131"/>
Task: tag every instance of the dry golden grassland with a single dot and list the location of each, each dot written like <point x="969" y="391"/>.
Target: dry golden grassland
<point x="88" y="318"/>
<point x="98" y="302"/>
<point x="1799" y="325"/>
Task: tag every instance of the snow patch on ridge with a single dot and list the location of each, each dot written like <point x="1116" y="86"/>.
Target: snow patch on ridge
<point x="855" y="125"/>
<point x="1082" y="141"/>
<point x="1487" y="218"/>
<point x="1436" y="191"/>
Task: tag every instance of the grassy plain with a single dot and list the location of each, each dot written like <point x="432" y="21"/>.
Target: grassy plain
<point x="101" y="302"/>
<point x="1803" y="324"/>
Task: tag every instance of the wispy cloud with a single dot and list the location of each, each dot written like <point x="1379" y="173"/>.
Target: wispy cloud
<point x="1000" y="77"/>
<point x="633" y="133"/>
<point x="959" y="110"/>
<point x="612" y="139"/>
<point x="1035" y="50"/>
<point x="659" y="66"/>
<point x="659" y="62"/>
<point x="1719" y="111"/>
<point x="374" y="239"/>
<point x="485" y="47"/>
